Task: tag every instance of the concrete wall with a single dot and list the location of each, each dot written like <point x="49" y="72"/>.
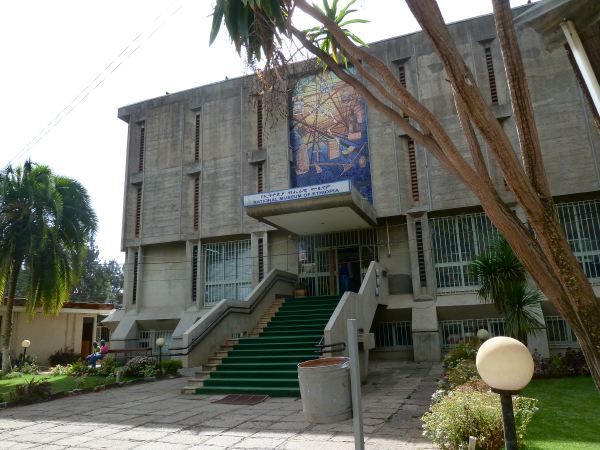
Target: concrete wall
<point x="48" y="333"/>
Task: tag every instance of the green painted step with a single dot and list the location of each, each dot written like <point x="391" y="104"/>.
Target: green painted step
<point x="267" y="364"/>
<point x="271" y="391"/>
<point x="262" y="382"/>
<point x="224" y="373"/>
<point x="272" y="351"/>
<point x="259" y="360"/>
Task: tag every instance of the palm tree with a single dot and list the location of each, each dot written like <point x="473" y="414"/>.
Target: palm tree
<point x="503" y="282"/>
<point x="46" y="222"/>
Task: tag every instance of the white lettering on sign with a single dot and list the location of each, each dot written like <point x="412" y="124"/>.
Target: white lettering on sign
<point x="317" y="190"/>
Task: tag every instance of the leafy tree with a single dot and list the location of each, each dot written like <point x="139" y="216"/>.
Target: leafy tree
<point x="503" y="282"/>
<point x="259" y="26"/>
<point x="46" y="222"/>
<point x="100" y="281"/>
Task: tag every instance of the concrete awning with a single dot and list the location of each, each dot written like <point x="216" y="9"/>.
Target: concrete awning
<point x="322" y="208"/>
<point x="545" y="17"/>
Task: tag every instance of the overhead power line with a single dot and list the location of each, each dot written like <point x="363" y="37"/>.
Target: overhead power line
<point x="110" y="68"/>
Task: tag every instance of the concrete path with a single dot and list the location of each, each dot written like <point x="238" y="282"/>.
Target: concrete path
<point x="157" y="416"/>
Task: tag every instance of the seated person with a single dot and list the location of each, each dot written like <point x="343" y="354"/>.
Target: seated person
<point x="95" y="349"/>
<point x="99" y="354"/>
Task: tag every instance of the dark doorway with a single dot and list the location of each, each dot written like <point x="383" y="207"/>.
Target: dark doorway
<point x="348" y="262"/>
<point x="87" y="333"/>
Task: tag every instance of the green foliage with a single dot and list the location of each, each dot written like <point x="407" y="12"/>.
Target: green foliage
<point x="109" y="367"/>
<point x="322" y="37"/>
<point x="462" y="373"/>
<point x="464" y="351"/>
<point x="171" y="366"/>
<point x="61" y="370"/>
<point x="78" y="368"/>
<point x="30" y="368"/>
<point x="11" y="375"/>
<point x="139" y="366"/>
<point x="63" y="357"/>
<point x="100" y="281"/>
<point x="568" y="364"/>
<point x="468" y="412"/>
<point x="30" y="392"/>
<point x="503" y="282"/>
<point x="252" y="24"/>
<point x="46" y="222"/>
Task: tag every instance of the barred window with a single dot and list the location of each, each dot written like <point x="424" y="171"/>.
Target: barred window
<point x="453" y="332"/>
<point x="581" y="223"/>
<point x="228" y="270"/>
<point x="559" y="332"/>
<point x="456" y="241"/>
<point x="393" y="335"/>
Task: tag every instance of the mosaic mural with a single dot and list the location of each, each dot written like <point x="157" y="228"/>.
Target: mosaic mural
<point x="328" y="134"/>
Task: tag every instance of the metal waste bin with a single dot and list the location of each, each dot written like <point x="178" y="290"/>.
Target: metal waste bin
<point x="325" y="389"/>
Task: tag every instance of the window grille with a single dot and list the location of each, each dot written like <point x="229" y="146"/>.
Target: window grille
<point x="102" y="332"/>
<point x="135" y="278"/>
<point x="261" y="260"/>
<point x="393" y="336"/>
<point x="420" y="253"/>
<point x="147" y="339"/>
<point x="489" y="62"/>
<point x="197" y="139"/>
<point x="581" y="223"/>
<point x="194" y="273"/>
<point x="196" y="202"/>
<point x="318" y="258"/>
<point x="259" y="178"/>
<point x="142" y="148"/>
<point x="402" y="79"/>
<point x="412" y="163"/>
<point x="559" y="332"/>
<point x="228" y="270"/>
<point x="453" y="332"/>
<point x="456" y="241"/>
<point x="259" y="123"/>
<point x="138" y="211"/>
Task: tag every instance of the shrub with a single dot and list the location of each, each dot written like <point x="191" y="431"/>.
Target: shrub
<point x="137" y="366"/>
<point x="30" y="368"/>
<point x="465" y="351"/>
<point x="30" y="392"/>
<point x="61" y="370"/>
<point x="63" y="357"/>
<point x="171" y="366"/>
<point x="468" y="412"/>
<point x="463" y="372"/>
<point x="109" y="366"/>
<point x="78" y="368"/>
<point x="12" y="375"/>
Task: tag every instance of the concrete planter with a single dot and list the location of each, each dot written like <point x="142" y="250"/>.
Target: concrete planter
<point x="325" y="389"/>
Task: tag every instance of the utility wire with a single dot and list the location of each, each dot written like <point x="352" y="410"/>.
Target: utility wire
<point x="127" y="52"/>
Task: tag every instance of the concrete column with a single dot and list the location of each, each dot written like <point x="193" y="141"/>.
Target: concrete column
<point x="425" y="332"/>
<point x="538" y="342"/>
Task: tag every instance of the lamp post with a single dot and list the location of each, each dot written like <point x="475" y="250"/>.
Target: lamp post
<point x="483" y="334"/>
<point x="25" y="344"/>
<point x="159" y="343"/>
<point x="506" y="365"/>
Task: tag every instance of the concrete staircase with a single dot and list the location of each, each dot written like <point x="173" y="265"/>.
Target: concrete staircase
<point x="266" y="361"/>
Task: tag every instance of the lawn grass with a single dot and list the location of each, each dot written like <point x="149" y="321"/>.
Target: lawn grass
<point x="60" y="383"/>
<point x="568" y="416"/>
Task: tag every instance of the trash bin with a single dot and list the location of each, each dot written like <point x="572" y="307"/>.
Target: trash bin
<point x="325" y="389"/>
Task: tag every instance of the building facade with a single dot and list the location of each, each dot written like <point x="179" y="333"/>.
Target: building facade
<point x="221" y="189"/>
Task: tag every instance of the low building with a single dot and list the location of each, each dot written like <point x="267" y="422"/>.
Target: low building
<point x="73" y="328"/>
<point x="219" y="191"/>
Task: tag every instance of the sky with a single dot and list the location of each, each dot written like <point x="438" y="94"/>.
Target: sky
<point x="68" y="65"/>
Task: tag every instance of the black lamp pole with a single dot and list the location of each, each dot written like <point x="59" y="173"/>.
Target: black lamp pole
<point x="508" y="419"/>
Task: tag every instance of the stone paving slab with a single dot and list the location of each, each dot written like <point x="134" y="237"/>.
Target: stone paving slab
<point x="156" y="416"/>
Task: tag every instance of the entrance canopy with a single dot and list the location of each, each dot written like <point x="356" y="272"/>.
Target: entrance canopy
<point x="317" y="209"/>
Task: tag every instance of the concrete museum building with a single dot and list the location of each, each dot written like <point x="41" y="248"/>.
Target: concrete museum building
<point x="230" y="205"/>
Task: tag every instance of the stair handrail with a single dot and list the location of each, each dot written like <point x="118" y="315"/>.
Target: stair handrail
<point x="207" y="323"/>
<point x="360" y="306"/>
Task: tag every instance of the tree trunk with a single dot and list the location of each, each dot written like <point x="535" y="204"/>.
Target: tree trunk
<point x="7" y="322"/>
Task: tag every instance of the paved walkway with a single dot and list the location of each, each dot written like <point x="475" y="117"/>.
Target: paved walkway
<point x="156" y="416"/>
